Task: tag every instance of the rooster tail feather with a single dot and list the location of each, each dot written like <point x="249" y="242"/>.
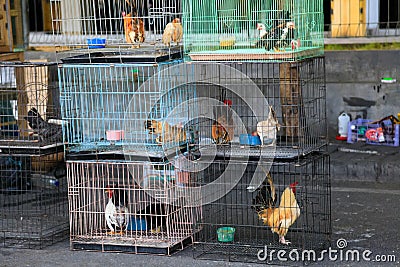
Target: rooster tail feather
<point x="266" y="196"/>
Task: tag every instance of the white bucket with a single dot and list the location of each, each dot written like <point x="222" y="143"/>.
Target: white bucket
<point x="344" y="120"/>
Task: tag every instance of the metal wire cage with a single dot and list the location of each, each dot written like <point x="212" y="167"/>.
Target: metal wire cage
<point x="152" y="196"/>
<point x="241" y="212"/>
<point x="33" y="200"/>
<point x="117" y="31"/>
<point x="125" y="107"/>
<point x="29" y="106"/>
<point x="277" y="30"/>
<point x="263" y="109"/>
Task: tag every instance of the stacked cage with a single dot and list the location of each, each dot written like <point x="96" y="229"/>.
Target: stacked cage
<point x="33" y="185"/>
<point x="263" y="136"/>
<point x="282" y="30"/>
<point x="151" y="199"/>
<point x="124" y="102"/>
<point x="289" y="212"/>
<point x="118" y="31"/>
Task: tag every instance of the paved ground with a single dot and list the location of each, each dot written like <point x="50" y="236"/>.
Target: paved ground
<point x="364" y="214"/>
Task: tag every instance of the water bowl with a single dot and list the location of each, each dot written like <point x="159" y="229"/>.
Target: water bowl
<point x="96" y="43"/>
<point x="115" y="135"/>
<point x="226" y="234"/>
<point x="248" y="139"/>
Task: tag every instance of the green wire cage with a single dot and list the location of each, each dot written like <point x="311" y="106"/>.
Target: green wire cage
<point x="253" y="30"/>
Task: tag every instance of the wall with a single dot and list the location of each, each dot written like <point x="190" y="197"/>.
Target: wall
<point x="354" y="85"/>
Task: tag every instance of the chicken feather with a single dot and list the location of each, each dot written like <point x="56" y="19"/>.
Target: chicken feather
<point x="281" y="218"/>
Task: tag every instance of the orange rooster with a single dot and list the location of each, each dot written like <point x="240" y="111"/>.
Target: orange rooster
<point x="134" y="29"/>
<point x="221" y="132"/>
<point x="166" y="133"/>
<point x="222" y="129"/>
<point x="173" y="32"/>
<point x="281" y="218"/>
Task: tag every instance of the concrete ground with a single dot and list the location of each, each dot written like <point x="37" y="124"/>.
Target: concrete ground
<point x="365" y="207"/>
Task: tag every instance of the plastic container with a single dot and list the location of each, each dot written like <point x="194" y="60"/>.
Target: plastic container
<point x="226" y="234"/>
<point x="96" y="43"/>
<point x="343" y="122"/>
<point x="136" y="224"/>
<point x="115" y="135"/>
<point x="366" y="131"/>
<point x="248" y="139"/>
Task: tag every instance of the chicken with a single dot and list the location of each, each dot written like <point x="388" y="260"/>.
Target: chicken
<point x="286" y="37"/>
<point x="219" y="133"/>
<point x="50" y="132"/>
<point x="222" y="129"/>
<point x="268" y="128"/>
<point x="267" y="38"/>
<point x="134" y="29"/>
<point x="281" y="218"/>
<point x="266" y="196"/>
<point x="278" y="35"/>
<point x="166" y="133"/>
<point x="116" y="212"/>
<point x="173" y="32"/>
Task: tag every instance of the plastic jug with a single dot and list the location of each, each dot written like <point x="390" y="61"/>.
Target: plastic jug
<point x="343" y="120"/>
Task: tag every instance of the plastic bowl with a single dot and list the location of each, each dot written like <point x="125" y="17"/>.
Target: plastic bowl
<point x="96" y="43"/>
<point x="226" y="234"/>
<point x="115" y="135"/>
<point x="248" y="139"/>
<point x="137" y="224"/>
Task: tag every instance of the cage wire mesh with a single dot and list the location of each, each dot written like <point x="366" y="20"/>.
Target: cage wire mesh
<point x="265" y="109"/>
<point x="117" y="31"/>
<point x="125" y="107"/>
<point x="151" y="201"/>
<point x="232" y="228"/>
<point x="29" y="106"/>
<point x="277" y="30"/>
<point x="33" y="200"/>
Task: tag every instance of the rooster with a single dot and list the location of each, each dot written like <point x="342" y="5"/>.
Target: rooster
<point x="116" y="212"/>
<point x="133" y="27"/>
<point x="266" y="37"/>
<point x="279" y="219"/>
<point x="269" y="127"/>
<point x="45" y="130"/>
<point x="173" y="32"/>
<point x="166" y="133"/>
<point x="286" y="37"/>
<point x="222" y="129"/>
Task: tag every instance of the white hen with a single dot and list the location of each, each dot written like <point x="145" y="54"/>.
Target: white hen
<point x="268" y="128"/>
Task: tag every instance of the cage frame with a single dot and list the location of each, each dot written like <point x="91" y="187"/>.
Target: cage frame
<point x="148" y="231"/>
<point x="31" y="116"/>
<point x="33" y="192"/>
<point x="296" y="92"/>
<point x="92" y="31"/>
<point x="238" y="39"/>
<point x="251" y="235"/>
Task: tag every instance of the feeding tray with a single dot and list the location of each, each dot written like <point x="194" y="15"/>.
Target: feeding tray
<point x="252" y="54"/>
<point x="138" y="55"/>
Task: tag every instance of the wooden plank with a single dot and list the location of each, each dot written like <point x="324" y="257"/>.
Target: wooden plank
<point x="17" y="56"/>
<point x="291" y="98"/>
<point x="5" y="37"/>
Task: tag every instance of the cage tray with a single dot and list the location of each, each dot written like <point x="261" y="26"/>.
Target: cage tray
<point x="137" y="248"/>
<point x="252" y="54"/>
<point x="238" y="151"/>
<point x="127" y="56"/>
